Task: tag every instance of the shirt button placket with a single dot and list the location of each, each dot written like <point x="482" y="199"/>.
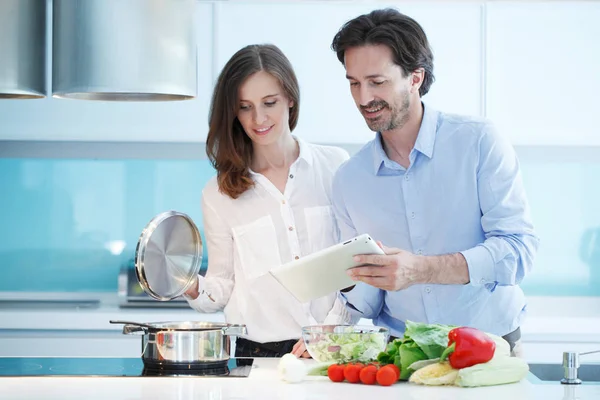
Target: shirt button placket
<point x="430" y="303"/>
<point x="288" y="220"/>
<point x="410" y="215"/>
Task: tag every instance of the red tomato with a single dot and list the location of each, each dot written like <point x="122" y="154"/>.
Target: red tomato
<point x="395" y="368"/>
<point x="352" y="372"/>
<point x="367" y="374"/>
<point x="386" y="376"/>
<point x="335" y="372"/>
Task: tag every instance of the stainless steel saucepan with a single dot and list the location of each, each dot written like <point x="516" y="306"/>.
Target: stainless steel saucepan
<point x="167" y="260"/>
<point x="193" y="343"/>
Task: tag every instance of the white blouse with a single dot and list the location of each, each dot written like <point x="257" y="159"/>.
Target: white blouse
<point x="261" y="230"/>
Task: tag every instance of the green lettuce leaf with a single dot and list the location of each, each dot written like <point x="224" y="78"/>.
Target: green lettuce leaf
<point x="431" y="338"/>
<point x="409" y="353"/>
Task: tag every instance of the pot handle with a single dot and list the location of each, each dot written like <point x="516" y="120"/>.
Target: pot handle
<point x="134" y="330"/>
<point x="234" y="330"/>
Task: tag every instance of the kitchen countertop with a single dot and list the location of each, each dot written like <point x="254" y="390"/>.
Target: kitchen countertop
<point x="264" y="383"/>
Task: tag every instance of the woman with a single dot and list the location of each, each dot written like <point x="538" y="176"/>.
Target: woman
<point x="268" y="204"/>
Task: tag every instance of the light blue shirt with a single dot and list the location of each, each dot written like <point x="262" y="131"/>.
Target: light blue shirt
<point x="462" y="192"/>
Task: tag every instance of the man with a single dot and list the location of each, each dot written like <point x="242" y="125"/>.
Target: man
<point x="444" y="191"/>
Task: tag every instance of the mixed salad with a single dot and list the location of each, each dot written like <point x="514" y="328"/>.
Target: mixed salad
<point x="350" y="344"/>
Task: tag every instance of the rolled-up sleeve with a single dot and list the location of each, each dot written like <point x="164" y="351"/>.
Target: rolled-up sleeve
<point x="363" y="301"/>
<point x="506" y="256"/>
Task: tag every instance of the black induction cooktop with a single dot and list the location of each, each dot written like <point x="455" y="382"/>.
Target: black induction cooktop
<point x="118" y="367"/>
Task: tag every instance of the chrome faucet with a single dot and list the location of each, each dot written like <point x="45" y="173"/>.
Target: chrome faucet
<point x="570" y="364"/>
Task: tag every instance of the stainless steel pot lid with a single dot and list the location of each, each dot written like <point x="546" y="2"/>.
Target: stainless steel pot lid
<point x="178" y="325"/>
<point x="188" y="325"/>
<point x="225" y="328"/>
<point x="168" y="255"/>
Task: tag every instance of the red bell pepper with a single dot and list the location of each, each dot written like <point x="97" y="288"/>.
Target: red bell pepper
<point x="467" y="347"/>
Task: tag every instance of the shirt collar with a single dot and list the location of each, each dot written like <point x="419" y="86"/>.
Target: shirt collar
<point x="305" y="151"/>
<point x="379" y="156"/>
<point x="305" y="154"/>
<point x="424" y="144"/>
<point x="426" y="137"/>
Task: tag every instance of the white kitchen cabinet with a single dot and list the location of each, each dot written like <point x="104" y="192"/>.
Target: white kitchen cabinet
<point x="34" y="343"/>
<point x="552" y="352"/>
<point x="542" y="74"/>
<point x="76" y="120"/>
<point x="304" y="31"/>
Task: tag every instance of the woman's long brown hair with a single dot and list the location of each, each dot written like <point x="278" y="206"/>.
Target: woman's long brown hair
<point x="228" y="147"/>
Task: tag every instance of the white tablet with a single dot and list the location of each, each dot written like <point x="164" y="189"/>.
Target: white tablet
<point x="324" y="272"/>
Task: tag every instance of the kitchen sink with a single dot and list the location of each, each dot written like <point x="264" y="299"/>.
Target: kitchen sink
<point x="588" y="373"/>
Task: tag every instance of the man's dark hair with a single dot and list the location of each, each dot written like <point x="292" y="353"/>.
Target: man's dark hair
<point x="402" y="34"/>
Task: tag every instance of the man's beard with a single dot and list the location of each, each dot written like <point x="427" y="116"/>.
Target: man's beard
<point x="398" y="118"/>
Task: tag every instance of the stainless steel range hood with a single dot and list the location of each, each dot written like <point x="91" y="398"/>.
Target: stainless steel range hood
<point x="124" y="50"/>
<point x="22" y="49"/>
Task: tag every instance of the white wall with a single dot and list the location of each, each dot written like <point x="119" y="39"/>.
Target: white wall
<point x="529" y="66"/>
<point x="543" y="71"/>
<point x="304" y="32"/>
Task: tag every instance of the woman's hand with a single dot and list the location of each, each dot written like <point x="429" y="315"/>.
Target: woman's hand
<point x="299" y="350"/>
<point x="192" y="292"/>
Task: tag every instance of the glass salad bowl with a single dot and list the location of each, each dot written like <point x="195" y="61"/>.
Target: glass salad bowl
<point x="345" y="343"/>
